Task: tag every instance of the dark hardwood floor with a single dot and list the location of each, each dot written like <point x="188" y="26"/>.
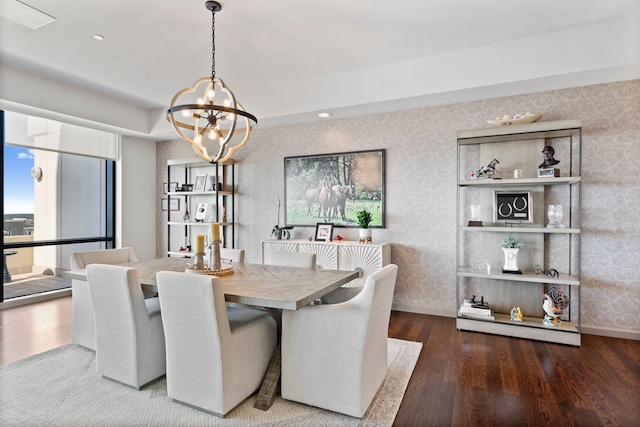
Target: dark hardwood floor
<point x="460" y="379"/>
<point x="473" y="379"/>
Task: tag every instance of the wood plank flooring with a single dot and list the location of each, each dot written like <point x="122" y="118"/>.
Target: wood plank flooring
<point x="461" y="378"/>
<point x="473" y="379"/>
<point x="34" y="328"/>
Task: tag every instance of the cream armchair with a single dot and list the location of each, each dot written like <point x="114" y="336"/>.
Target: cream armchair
<point x="335" y="356"/>
<point x="84" y="323"/>
<point x="130" y="346"/>
<point x="216" y="356"/>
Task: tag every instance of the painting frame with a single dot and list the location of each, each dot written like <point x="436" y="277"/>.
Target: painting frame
<point x="332" y="187"/>
<point x="324" y="232"/>
<point x="174" y="204"/>
<point x="507" y="208"/>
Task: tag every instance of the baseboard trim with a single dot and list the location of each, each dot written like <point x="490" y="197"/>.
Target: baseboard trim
<point x="609" y="332"/>
<point x="424" y="310"/>
<point x="588" y="330"/>
<point x="30" y="299"/>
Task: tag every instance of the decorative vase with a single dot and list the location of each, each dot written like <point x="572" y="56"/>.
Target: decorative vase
<point x="186" y="215"/>
<point x="554" y="212"/>
<point x="510" y="260"/>
<point x="475" y="212"/>
<point x="365" y="235"/>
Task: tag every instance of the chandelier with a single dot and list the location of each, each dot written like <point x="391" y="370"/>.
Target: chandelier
<point x="210" y="119"/>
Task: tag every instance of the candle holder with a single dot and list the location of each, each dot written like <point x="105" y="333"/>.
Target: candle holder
<point x="198" y="261"/>
<point x="214" y="255"/>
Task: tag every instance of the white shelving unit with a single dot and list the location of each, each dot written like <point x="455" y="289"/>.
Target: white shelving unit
<point x="520" y="147"/>
<point x="219" y="193"/>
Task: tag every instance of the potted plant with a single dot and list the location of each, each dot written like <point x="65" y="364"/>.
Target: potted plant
<point x="364" y="221"/>
<point x="510" y="246"/>
<point x="279" y="232"/>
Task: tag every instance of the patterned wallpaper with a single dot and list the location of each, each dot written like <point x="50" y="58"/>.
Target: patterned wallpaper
<point x="421" y="191"/>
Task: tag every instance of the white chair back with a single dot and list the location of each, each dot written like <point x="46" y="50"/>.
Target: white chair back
<point x="216" y="356"/>
<point x="83" y="331"/>
<point x="129" y="335"/>
<point x="293" y="259"/>
<point x="232" y="256"/>
<point x="335" y="356"/>
<point x="80" y="260"/>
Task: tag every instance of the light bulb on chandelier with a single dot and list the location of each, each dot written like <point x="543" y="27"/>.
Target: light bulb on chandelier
<point x="226" y="124"/>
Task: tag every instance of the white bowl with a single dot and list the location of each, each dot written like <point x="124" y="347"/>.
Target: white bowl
<point x="527" y="118"/>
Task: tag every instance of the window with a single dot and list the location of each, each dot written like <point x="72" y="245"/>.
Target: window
<point x="57" y="199"/>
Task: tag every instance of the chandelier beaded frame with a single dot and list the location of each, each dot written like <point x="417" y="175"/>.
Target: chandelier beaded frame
<point x="215" y="130"/>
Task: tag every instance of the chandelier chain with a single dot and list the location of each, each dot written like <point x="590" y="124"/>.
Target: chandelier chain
<point x="213" y="44"/>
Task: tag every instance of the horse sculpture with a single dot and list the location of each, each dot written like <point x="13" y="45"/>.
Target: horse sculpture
<point x="487" y="171"/>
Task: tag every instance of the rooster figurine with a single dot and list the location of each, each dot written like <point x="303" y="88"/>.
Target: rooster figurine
<point x="553" y="303"/>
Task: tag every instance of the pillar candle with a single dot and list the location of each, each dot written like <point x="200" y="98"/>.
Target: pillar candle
<point x="200" y="244"/>
<point x="215" y="231"/>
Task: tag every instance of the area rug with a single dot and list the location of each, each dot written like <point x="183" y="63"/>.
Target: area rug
<point x="62" y="388"/>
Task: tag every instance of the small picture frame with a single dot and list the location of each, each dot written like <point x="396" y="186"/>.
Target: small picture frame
<point x="169" y="187"/>
<point x="324" y="232"/>
<point x="201" y="182"/>
<point x="174" y="205"/>
<point x="201" y="212"/>
<point x="512" y="206"/>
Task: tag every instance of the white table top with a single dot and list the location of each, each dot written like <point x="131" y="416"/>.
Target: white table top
<point x="268" y="286"/>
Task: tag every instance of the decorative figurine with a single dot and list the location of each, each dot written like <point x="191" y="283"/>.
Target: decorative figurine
<point x="479" y="304"/>
<point x="486" y="171"/>
<point x="552" y="272"/>
<point x="516" y="314"/>
<point x="546" y="168"/>
<point x="549" y="161"/>
<point x="554" y="303"/>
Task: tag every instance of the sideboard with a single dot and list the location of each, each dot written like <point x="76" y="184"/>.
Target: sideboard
<point x="337" y="255"/>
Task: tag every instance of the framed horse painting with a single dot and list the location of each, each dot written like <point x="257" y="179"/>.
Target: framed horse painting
<point x="332" y="188"/>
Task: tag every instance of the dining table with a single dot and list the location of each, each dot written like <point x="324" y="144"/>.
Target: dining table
<point x="274" y="288"/>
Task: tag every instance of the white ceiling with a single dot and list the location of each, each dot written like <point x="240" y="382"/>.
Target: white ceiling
<point x="286" y="60"/>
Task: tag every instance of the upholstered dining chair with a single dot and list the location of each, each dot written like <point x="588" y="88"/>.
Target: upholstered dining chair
<point x="217" y="356"/>
<point x="335" y="356"/>
<point x="232" y="256"/>
<point x="293" y="259"/>
<point x="130" y="346"/>
<point x="83" y="328"/>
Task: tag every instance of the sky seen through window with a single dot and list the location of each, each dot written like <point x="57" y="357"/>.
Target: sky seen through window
<point x="17" y="181"/>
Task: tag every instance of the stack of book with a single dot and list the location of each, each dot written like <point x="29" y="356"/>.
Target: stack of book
<point x="473" y="310"/>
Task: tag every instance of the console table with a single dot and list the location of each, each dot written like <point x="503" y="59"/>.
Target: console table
<point x="337" y="255"/>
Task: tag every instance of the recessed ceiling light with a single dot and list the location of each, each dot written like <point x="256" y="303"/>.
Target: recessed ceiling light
<point x="24" y="14"/>
<point x="325" y="115"/>
<point x="98" y="37"/>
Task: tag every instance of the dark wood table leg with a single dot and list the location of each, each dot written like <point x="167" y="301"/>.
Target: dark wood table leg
<point x="271" y="382"/>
